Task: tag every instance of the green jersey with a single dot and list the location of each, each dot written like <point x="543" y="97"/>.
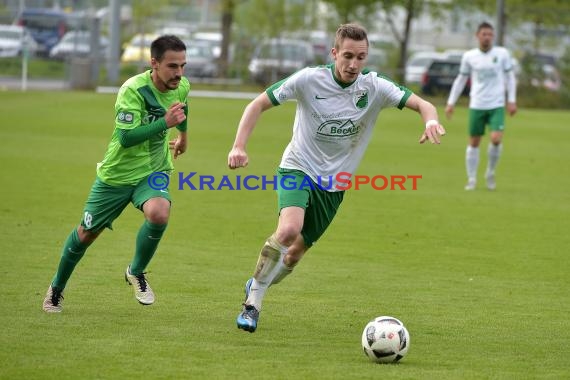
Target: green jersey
<point x="140" y="103"/>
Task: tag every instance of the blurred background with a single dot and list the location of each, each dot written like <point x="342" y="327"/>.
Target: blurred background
<point x="245" y="45"/>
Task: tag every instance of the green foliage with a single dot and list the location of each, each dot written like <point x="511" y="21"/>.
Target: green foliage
<point x="480" y="278"/>
<point x="351" y="11"/>
<point x="270" y="18"/>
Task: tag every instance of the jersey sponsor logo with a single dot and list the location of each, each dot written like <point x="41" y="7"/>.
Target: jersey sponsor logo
<point x="361" y="99"/>
<point x="125" y="117"/>
<point x="338" y="128"/>
<point x="319" y="97"/>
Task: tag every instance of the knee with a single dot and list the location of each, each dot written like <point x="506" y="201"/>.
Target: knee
<point x="159" y="218"/>
<point x="496" y="141"/>
<point x="157" y="212"/>
<point x="287" y="234"/>
<point x="85" y="236"/>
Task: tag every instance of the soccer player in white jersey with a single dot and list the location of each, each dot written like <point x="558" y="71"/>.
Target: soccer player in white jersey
<point x="491" y="71"/>
<point x="337" y="109"/>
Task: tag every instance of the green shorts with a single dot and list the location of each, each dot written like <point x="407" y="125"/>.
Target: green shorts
<point x="301" y="191"/>
<point x="479" y="118"/>
<point x="105" y="202"/>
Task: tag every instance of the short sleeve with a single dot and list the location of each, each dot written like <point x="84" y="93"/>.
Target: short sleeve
<point x="393" y="94"/>
<point x="286" y="89"/>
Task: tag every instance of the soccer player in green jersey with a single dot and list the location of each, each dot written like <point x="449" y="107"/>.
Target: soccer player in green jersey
<point x="147" y="106"/>
<point x="337" y="109"/>
<point x="491" y="71"/>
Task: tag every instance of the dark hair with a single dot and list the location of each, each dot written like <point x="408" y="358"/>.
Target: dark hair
<point x="484" y="25"/>
<point x="351" y="31"/>
<point x="163" y="43"/>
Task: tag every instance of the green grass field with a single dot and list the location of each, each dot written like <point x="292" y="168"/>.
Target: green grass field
<point x="481" y="279"/>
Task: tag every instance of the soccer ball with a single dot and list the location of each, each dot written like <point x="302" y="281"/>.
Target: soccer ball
<point x="385" y="340"/>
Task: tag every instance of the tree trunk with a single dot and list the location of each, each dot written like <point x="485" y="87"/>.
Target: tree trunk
<point x="228" y="7"/>
<point x="404" y="42"/>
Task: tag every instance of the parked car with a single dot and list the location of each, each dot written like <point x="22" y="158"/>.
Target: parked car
<point x="138" y="49"/>
<point x="275" y="59"/>
<point x="77" y="44"/>
<point x="439" y="77"/>
<point x="214" y="39"/>
<point x="200" y="60"/>
<point x="541" y="71"/>
<point x="14" y="40"/>
<point x="417" y="65"/>
<point x="47" y="26"/>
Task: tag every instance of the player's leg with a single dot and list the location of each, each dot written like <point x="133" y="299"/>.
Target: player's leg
<point x="269" y="261"/>
<point x="294" y="238"/>
<point x="319" y="214"/>
<point x="497" y="126"/>
<point x="292" y="202"/>
<point x="155" y="205"/>
<point x="294" y="254"/>
<point x="272" y="253"/>
<point x="104" y="204"/>
<point x="476" y="131"/>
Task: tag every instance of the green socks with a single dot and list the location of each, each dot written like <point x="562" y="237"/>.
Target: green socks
<point x="147" y="240"/>
<point x="73" y="251"/>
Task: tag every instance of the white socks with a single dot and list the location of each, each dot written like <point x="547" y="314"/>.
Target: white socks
<point x="494" y="152"/>
<point x="471" y="162"/>
<point x="269" y="266"/>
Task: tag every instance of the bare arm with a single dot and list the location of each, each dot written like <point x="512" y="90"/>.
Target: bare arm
<point x="238" y="156"/>
<point x="429" y="115"/>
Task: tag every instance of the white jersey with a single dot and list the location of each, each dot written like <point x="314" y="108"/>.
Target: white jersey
<point x="334" y="121"/>
<point x="488" y="72"/>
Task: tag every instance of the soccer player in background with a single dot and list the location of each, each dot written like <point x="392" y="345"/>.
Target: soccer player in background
<point x="337" y="109"/>
<point x="491" y="71"/>
<point x="147" y="106"/>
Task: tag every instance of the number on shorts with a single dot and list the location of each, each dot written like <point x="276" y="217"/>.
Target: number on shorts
<point x="88" y="219"/>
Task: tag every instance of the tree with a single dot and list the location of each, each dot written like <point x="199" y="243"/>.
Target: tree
<point x="228" y="9"/>
<point x="368" y="12"/>
<point x="352" y="11"/>
<point x="261" y="19"/>
<point x="547" y="16"/>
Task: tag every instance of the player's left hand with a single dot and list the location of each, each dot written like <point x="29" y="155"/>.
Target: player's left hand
<point x="432" y="133"/>
<point x="178" y="146"/>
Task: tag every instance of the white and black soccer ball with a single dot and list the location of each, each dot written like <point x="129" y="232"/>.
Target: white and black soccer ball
<point x="385" y="340"/>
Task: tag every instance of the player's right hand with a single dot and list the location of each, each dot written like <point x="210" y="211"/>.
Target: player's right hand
<point x="175" y="115"/>
<point x="237" y="158"/>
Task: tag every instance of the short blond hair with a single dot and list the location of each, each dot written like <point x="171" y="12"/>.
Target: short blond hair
<point x="352" y="31"/>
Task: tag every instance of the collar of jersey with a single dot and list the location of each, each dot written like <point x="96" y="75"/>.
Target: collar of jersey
<point x="338" y="81"/>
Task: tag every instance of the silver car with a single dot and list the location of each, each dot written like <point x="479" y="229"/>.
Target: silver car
<point x="200" y="60"/>
<point x="77" y="44"/>
<point x="15" y="40"/>
<point x="276" y="59"/>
